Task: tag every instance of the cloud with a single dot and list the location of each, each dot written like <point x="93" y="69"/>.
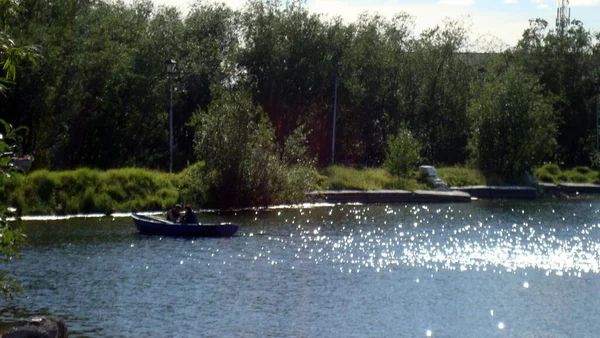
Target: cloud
<point x="463" y="3"/>
<point x="543" y="6"/>
<point x="584" y="3"/>
<point x="572" y="3"/>
<point x="510" y="1"/>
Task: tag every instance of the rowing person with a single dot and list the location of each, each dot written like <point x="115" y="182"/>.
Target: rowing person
<point x="190" y="216"/>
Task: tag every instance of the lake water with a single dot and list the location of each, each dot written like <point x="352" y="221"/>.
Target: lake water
<point x="484" y="269"/>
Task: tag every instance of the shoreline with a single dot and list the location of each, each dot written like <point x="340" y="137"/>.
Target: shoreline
<point x="320" y="198"/>
<point x="456" y="194"/>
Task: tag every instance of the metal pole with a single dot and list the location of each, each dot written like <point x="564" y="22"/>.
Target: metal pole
<point x="597" y="107"/>
<point x="170" y="123"/>
<point x="334" y="120"/>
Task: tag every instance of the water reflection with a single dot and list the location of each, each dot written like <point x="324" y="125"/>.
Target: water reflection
<point x="354" y="238"/>
<point x="450" y="270"/>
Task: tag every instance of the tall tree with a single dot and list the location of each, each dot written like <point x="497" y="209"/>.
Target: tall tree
<point x="513" y="122"/>
<point x="565" y="64"/>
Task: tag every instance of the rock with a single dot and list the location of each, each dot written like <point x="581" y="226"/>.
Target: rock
<point x="429" y="173"/>
<point x="38" y="327"/>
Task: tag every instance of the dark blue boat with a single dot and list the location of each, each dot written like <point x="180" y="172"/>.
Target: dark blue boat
<point x="150" y="225"/>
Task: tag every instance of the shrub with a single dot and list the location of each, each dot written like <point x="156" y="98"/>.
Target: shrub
<point x="513" y="123"/>
<point x="339" y="178"/>
<point x="582" y="170"/>
<point x="243" y="163"/>
<point x="460" y="177"/>
<point x="545" y="177"/>
<point x="552" y="169"/>
<point x="403" y="153"/>
<point x="192" y="185"/>
<point x="577" y="177"/>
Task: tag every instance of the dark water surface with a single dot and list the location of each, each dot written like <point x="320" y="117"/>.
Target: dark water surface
<point x="485" y="269"/>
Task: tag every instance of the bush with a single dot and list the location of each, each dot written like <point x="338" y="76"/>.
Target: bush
<point x="460" y="177"/>
<point x="552" y="169"/>
<point x="243" y="164"/>
<point x="582" y="170"/>
<point x="402" y="154"/>
<point x="340" y="178"/>
<point x="513" y="124"/>
<point x="91" y="191"/>
<point x="577" y="177"/>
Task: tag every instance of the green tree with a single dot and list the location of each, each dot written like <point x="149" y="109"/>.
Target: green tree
<point x="11" y="236"/>
<point x="513" y="123"/>
<point x="403" y="153"/>
<point x="567" y="64"/>
<point x="243" y="163"/>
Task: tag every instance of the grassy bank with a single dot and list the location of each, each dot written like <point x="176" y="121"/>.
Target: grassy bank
<point x="89" y="191"/>
<point x="122" y="190"/>
<point x="340" y="178"/>
<point x="552" y="173"/>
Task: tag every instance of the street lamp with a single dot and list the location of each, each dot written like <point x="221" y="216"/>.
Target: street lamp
<point x="335" y="90"/>
<point x="597" y="85"/>
<point x="170" y="66"/>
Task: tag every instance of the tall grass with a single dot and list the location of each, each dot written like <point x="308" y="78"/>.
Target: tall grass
<point x="340" y="178"/>
<point x="460" y="176"/>
<point x="552" y="173"/>
<point x="90" y="191"/>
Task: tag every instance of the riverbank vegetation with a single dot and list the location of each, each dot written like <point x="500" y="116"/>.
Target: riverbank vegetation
<point x="133" y="189"/>
<point x="552" y="173"/>
<point x="253" y="101"/>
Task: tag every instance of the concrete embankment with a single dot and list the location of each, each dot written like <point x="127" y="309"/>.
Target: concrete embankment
<point x="579" y="188"/>
<point x="389" y="196"/>
<point x="455" y="195"/>
<point x="499" y="192"/>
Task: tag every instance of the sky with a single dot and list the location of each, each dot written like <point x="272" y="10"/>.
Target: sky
<point x="497" y="22"/>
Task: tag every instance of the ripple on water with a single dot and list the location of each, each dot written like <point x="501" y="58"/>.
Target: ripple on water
<point x="365" y="237"/>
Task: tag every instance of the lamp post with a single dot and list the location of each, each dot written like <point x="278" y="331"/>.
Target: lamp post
<point x="597" y="85"/>
<point x="334" y="119"/>
<point x="170" y="66"/>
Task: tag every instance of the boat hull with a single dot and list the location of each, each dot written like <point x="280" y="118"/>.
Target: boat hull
<point x="154" y="226"/>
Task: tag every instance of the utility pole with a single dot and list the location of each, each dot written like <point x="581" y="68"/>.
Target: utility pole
<point x="170" y="66"/>
<point x="334" y="119"/>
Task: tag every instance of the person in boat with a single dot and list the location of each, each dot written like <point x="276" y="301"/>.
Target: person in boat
<point x="190" y="216"/>
<point x="174" y="214"/>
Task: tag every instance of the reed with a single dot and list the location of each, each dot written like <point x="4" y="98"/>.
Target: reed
<point x="461" y="176"/>
<point x="340" y="178"/>
<point x="90" y="191"/>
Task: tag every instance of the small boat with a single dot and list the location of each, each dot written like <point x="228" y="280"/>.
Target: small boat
<point x="150" y="225"/>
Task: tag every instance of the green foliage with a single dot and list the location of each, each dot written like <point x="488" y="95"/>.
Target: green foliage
<point x="13" y="57"/>
<point x="566" y="63"/>
<point x="11" y="237"/>
<point x="244" y="165"/>
<point x="553" y="169"/>
<point x="402" y="153"/>
<point x="594" y="158"/>
<point x="460" y="176"/>
<point x="191" y="184"/>
<point x="340" y="178"/>
<point x="513" y="122"/>
<point x="551" y="173"/>
<point x="92" y="191"/>
<point x="11" y="241"/>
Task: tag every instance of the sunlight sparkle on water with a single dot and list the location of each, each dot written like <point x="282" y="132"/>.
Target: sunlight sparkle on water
<point x="442" y="239"/>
